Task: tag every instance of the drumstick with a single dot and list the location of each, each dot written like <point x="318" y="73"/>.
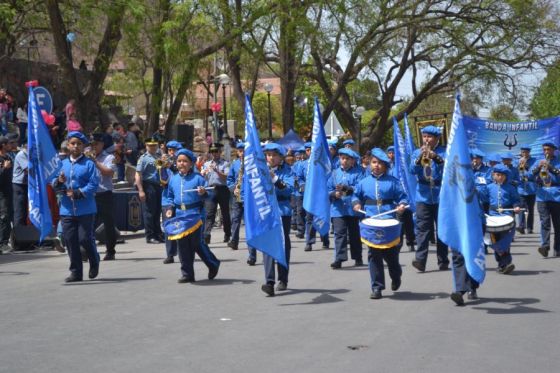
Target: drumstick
<point x="388" y="212"/>
<point x="363" y="212"/>
<point x="500" y="210"/>
<point x="196" y="190"/>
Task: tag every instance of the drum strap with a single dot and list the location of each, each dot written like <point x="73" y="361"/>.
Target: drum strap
<point x="375" y="202"/>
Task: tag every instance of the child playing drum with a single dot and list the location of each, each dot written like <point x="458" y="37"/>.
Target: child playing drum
<point x="504" y="200"/>
<point x="380" y="192"/>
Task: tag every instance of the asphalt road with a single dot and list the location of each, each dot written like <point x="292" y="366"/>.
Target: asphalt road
<point x="136" y="318"/>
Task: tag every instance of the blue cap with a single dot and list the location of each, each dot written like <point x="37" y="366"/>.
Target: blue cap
<point x="348" y="142"/>
<point x="507" y="155"/>
<point x="347" y="152"/>
<point x="493" y="157"/>
<point x="525" y="147"/>
<point x="188" y="153"/>
<point x="431" y="130"/>
<point x="391" y="149"/>
<point x="355" y="155"/>
<point x="80" y="136"/>
<point x="477" y="153"/>
<point x="500" y="168"/>
<point x="240" y="145"/>
<point x="301" y="149"/>
<point x="550" y="143"/>
<point x="332" y="143"/>
<point x="173" y="145"/>
<point x="381" y="155"/>
<point x="273" y="147"/>
<point x="308" y="145"/>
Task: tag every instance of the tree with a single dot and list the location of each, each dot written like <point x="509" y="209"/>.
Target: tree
<point x="504" y="112"/>
<point x="546" y="101"/>
<point x="440" y="45"/>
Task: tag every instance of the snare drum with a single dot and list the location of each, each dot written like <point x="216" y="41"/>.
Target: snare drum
<point x="380" y="233"/>
<point x="499" y="223"/>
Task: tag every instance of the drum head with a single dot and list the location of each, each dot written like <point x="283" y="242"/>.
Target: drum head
<point x="499" y="220"/>
<point x="380" y="222"/>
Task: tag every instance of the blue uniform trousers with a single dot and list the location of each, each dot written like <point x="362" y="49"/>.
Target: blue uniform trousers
<point x="105" y="215"/>
<point x="220" y="198"/>
<point x="550" y="211"/>
<point x="170" y="245"/>
<point x="300" y="215"/>
<point x="347" y="228"/>
<point x="187" y="247"/>
<point x="269" y="273"/>
<point x="407" y="220"/>
<point x="78" y="231"/>
<point x="310" y="232"/>
<point x="426" y="216"/>
<point x="375" y="263"/>
<point x="462" y="282"/>
<point x="237" y="211"/>
<point x="527" y="202"/>
<point x="20" y="204"/>
<point x="152" y="211"/>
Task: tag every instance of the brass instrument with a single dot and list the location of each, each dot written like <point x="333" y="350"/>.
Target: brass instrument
<point x="90" y="153"/>
<point x="238" y="183"/>
<point x="426" y="161"/>
<point x="522" y="165"/>
<point x="544" y="174"/>
<point x="161" y="164"/>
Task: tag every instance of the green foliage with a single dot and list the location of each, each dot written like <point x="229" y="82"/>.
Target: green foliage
<point x="503" y="112"/>
<point x="546" y="101"/>
<point x="260" y="111"/>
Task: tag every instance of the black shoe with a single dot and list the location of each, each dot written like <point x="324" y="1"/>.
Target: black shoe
<point x="336" y="264"/>
<point x="508" y="269"/>
<point x="419" y="265"/>
<point x="109" y="256"/>
<point x="268" y="289"/>
<point x="169" y="260"/>
<point x="444" y="266"/>
<point x="325" y="247"/>
<point x="521" y="230"/>
<point x="152" y="241"/>
<point x="232" y="245"/>
<point x="411" y="248"/>
<point x="395" y="284"/>
<point x="281" y="286"/>
<point x="530" y="231"/>
<point x="93" y="272"/>
<point x="471" y="295"/>
<point x="543" y="250"/>
<point x="251" y="262"/>
<point x="556" y="254"/>
<point x="207" y="240"/>
<point x="293" y="227"/>
<point x="457" y="298"/>
<point x="213" y="272"/>
<point x="73" y="278"/>
<point x="358" y="263"/>
<point x="376" y="294"/>
<point x="307" y="248"/>
<point x="299" y="235"/>
<point x="185" y="280"/>
<point x="226" y="238"/>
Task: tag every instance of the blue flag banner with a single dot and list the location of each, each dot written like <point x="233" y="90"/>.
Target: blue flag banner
<point x="316" y="196"/>
<point x="500" y="137"/>
<point x="44" y="164"/>
<point x="263" y="222"/>
<point x="408" y="140"/>
<point x="459" y="215"/>
<point x="402" y="160"/>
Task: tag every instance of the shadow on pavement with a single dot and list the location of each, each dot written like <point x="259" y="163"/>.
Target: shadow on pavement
<point x="109" y="280"/>
<point x="324" y="296"/>
<point x="223" y="281"/>
<point x="13" y="273"/>
<point x="410" y="296"/>
<point x="508" y="305"/>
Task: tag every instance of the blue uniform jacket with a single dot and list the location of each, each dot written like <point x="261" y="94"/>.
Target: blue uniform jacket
<point x="500" y="196"/>
<point x="284" y="188"/>
<point x="192" y="201"/>
<point x="165" y="200"/>
<point x="551" y="193"/>
<point x="80" y="175"/>
<point x="481" y="178"/>
<point x="232" y="176"/>
<point x="426" y="193"/>
<point x="385" y="190"/>
<point x="350" y="178"/>
<point x="527" y="184"/>
<point x="300" y="174"/>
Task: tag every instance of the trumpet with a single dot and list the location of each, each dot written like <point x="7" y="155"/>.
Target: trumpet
<point x="426" y="161"/>
<point x="544" y="174"/>
<point x="90" y="153"/>
<point x="162" y="163"/>
<point x="522" y="166"/>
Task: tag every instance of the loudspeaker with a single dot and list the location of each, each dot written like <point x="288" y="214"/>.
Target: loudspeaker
<point x="184" y="133"/>
<point x="25" y="237"/>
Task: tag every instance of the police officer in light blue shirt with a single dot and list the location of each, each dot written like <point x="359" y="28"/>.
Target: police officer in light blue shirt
<point x="427" y="165"/>
<point x="77" y="182"/>
<point x="345" y="220"/>
<point x="149" y="191"/>
<point x="546" y="172"/>
<point x="283" y="180"/>
<point x="19" y="185"/>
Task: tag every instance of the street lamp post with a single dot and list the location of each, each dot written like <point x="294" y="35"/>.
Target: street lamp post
<point x="32" y="45"/>
<point x="358" y="112"/>
<point x="268" y="87"/>
<point x="224" y="81"/>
